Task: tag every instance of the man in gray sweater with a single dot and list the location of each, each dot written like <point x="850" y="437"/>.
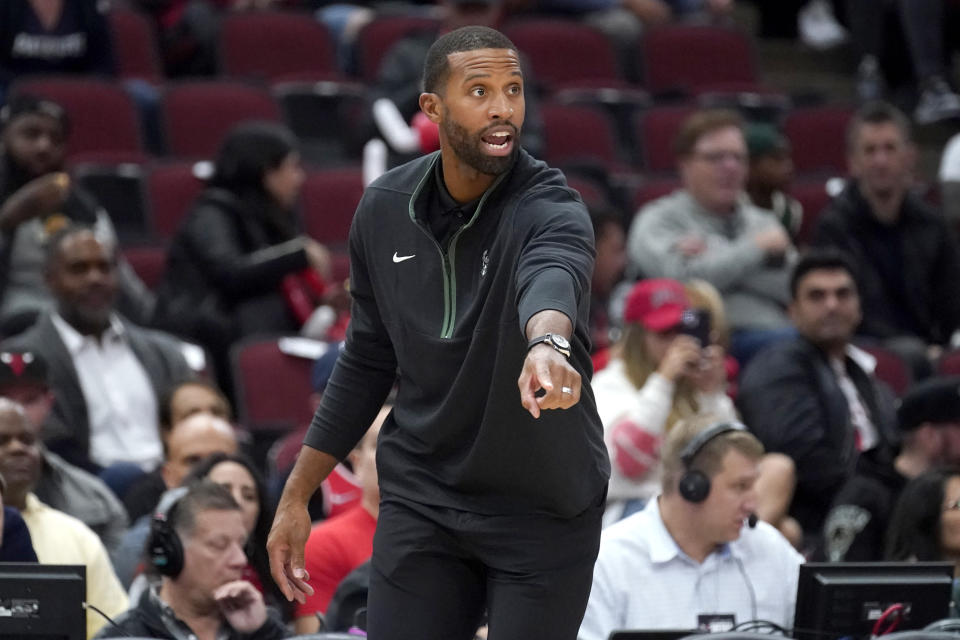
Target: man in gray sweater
<point x="709" y="230"/>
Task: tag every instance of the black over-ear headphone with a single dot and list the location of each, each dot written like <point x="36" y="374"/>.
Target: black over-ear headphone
<point x="164" y="546"/>
<point x="695" y="484"/>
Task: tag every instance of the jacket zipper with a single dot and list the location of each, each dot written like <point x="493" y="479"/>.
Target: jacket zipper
<point x="447" y="259"/>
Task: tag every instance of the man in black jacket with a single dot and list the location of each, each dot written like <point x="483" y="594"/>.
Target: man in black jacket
<point x="468" y="266"/>
<point x="197" y="544"/>
<point x="906" y="255"/>
<point x="814" y="397"/>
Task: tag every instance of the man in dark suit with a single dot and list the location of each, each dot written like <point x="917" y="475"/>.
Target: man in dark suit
<point x="106" y="373"/>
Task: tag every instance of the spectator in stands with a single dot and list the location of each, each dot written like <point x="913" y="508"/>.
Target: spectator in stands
<point x="238" y="475"/>
<point x="339" y="545"/>
<point x="37" y="199"/>
<point x="190" y="442"/>
<point x="178" y="403"/>
<point x="57" y="537"/>
<point x="814" y="397"/>
<point x="926" y="519"/>
<point x="686" y="561"/>
<point x="106" y="373"/>
<point x="53" y="37"/>
<point x="708" y="230"/>
<point x="608" y="268"/>
<point x="922" y="24"/>
<point x="770" y="174"/>
<point x="197" y="544"/>
<point x="239" y="247"/>
<point x="906" y="256"/>
<point x="661" y="374"/>
<point x="929" y="419"/>
<point x="61" y="485"/>
<point x="15" y="542"/>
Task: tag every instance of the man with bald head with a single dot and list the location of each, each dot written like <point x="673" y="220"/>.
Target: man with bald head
<point x="106" y="373"/>
<point x="57" y="537"/>
<point x="190" y="441"/>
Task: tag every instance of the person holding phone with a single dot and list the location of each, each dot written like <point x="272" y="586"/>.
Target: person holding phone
<point x="666" y="367"/>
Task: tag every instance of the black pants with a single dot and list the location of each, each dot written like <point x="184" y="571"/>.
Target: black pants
<point x="435" y="571"/>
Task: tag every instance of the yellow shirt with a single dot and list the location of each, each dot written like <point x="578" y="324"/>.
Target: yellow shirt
<point x="62" y="539"/>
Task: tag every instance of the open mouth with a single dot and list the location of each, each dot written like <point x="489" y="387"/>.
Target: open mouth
<point x="498" y="142"/>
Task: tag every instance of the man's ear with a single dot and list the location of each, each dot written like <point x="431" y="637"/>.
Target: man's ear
<point x="430" y="105"/>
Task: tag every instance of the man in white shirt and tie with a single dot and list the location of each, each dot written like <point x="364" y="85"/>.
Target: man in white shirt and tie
<point x="696" y="557"/>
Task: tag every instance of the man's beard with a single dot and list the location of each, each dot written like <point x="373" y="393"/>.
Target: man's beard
<point x="469" y="151"/>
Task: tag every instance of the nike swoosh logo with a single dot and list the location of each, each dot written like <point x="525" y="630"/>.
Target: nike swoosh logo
<point x="397" y="258"/>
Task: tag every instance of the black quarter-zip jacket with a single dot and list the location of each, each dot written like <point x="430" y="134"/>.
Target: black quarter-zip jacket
<point x="451" y="323"/>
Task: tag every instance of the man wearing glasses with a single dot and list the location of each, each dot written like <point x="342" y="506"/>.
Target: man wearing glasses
<point x="708" y="229"/>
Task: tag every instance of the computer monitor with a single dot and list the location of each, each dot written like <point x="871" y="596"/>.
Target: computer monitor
<point x="42" y="601"/>
<point x="846" y="598"/>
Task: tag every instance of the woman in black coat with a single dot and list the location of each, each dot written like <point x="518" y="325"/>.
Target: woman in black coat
<point x="229" y="259"/>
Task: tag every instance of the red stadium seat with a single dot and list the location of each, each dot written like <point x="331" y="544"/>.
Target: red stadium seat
<point x="653" y="189"/>
<point x="171" y="189"/>
<point x="378" y="36"/>
<point x="949" y="364"/>
<point x="329" y="200"/>
<point x="149" y="262"/>
<point x="578" y="135"/>
<point x="818" y="138"/>
<point x="891" y="368"/>
<point x="272" y="46"/>
<point x="198" y="115"/>
<point x="698" y="58"/>
<point x="135" y="46"/>
<point x="272" y="387"/>
<point x="657" y="130"/>
<point x="812" y="194"/>
<point x="585" y="59"/>
<point x="104" y="125"/>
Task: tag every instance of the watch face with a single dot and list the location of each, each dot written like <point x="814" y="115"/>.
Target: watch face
<point x="560" y="341"/>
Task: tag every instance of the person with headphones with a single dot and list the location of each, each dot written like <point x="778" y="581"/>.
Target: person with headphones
<point x="687" y="561"/>
<point x="196" y="543"/>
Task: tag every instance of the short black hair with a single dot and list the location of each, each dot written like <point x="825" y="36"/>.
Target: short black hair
<point x="437" y="66"/>
<point x="877" y="112"/>
<point x="59" y="237"/>
<point x="28" y="104"/>
<point x="816" y="259"/>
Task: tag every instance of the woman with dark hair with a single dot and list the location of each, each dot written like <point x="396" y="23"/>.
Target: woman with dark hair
<point x="926" y="519"/>
<point x="238" y="474"/>
<point x="229" y="260"/>
<point x="925" y="525"/>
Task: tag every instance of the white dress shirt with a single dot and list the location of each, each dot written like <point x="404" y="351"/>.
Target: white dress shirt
<point x="643" y="580"/>
<point x="121" y="402"/>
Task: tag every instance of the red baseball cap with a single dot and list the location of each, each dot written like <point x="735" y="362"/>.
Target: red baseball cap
<point x="656" y="303"/>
